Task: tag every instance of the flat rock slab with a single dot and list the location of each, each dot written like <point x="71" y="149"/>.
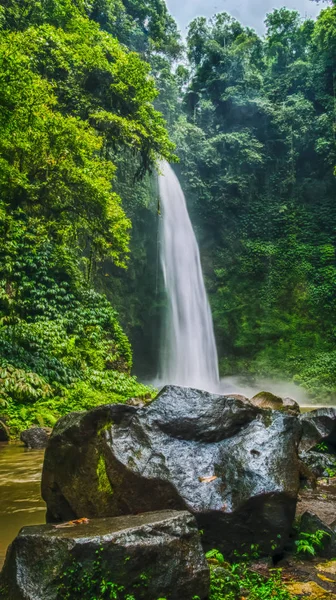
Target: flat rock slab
<point x="233" y="465"/>
<point x="150" y="556"/>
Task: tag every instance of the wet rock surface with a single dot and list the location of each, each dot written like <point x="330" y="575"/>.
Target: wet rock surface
<point x="36" y="437"/>
<point x="321" y="501"/>
<point x="291" y="406"/>
<point x="231" y="464"/>
<point x="320" y="463"/>
<point x="156" y="555"/>
<point x="318" y="426"/>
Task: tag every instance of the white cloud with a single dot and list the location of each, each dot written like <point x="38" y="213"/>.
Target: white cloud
<point x="248" y="12"/>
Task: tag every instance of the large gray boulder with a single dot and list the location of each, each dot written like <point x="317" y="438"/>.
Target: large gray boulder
<point x="318" y="426"/>
<point x="232" y="465"/>
<point x="151" y="556"/>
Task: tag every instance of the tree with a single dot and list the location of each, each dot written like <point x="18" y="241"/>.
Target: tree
<point x="144" y="26"/>
<point x="72" y="98"/>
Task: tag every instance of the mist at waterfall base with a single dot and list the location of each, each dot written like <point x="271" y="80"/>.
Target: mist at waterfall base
<point x="188" y="350"/>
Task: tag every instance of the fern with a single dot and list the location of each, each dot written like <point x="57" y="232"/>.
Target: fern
<point x="309" y="543"/>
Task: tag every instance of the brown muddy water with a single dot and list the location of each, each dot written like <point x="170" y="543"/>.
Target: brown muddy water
<point x="20" y="496"/>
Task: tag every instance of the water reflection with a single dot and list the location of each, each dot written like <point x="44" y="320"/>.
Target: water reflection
<point x="20" y="496"/>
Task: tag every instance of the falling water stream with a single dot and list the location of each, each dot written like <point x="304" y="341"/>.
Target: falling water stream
<point x="189" y="354"/>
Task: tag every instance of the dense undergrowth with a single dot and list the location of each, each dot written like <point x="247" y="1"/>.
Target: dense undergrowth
<point x="236" y="581"/>
<point x="72" y="98"/>
<point x="228" y="581"/>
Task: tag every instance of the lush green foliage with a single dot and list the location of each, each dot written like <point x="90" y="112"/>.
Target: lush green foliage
<point x="85" y="581"/>
<point x="256" y="140"/>
<point x="72" y="99"/>
<point x="329" y="471"/>
<point x="143" y="25"/>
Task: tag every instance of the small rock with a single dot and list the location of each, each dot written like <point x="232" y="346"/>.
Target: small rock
<point x="266" y="400"/>
<point x="291" y="406"/>
<point x="222" y="573"/>
<point x="150" y="556"/>
<point x="327" y="567"/>
<point x="137" y="402"/>
<point x="36" y="437"/>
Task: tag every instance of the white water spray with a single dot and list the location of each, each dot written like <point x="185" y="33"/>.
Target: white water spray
<point x="189" y="356"/>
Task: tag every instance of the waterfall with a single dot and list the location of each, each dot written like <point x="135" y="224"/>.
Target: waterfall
<point x="189" y="354"/>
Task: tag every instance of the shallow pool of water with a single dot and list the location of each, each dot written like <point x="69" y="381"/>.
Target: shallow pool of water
<point x="20" y="495"/>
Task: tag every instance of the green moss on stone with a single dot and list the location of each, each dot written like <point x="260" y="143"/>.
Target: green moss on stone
<point x="104" y="484"/>
<point x="105" y="427"/>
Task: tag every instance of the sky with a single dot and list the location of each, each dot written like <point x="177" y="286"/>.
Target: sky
<point x="249" y="12"/>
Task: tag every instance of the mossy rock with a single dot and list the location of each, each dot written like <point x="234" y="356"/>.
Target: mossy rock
<point x="268" y="401"/>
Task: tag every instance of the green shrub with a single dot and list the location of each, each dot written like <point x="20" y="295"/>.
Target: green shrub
<point x="232" y="581"/>
<point x="83" y="395"/>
